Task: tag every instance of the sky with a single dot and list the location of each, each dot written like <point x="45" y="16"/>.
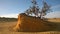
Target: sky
<point x="11" y="8"/>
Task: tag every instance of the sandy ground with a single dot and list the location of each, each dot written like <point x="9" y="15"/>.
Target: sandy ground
<point x="6" y="28"/>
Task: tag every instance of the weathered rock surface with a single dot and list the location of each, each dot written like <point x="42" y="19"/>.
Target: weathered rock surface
<point x="32" y="24"/>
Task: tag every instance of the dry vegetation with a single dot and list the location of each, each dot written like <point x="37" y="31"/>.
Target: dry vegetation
<point x="6" y="27"/>
<point x="54" y="19"/>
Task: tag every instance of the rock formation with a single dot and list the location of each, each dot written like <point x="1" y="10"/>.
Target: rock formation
<point x="32" y="24"/>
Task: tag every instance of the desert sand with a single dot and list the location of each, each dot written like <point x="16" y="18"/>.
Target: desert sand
<point x="6" y="28"/>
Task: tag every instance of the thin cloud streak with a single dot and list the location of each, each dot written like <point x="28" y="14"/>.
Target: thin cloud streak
<point x="56" y="6"/>
<point x="55" y="14"/>
<point x="10" y="15"/>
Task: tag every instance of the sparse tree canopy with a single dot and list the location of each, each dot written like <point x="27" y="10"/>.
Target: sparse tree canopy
<point x="36" y="10"/>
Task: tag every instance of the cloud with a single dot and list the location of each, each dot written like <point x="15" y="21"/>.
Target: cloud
<point x="55" y="14"/>
<point x="10" y="15"/>
<point x="56" y="6"/>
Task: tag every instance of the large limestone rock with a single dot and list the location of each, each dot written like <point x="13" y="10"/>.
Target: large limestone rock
<point x="29" y="23"/>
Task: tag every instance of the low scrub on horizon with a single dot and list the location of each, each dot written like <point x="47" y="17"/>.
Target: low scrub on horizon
<point x="7" y="19"/>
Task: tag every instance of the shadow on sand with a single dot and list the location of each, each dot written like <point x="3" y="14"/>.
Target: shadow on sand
<point x="55" y="26"/>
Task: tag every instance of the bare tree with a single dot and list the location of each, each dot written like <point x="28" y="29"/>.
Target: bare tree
<point x="36" y="10"/>
<point x="45" y="9"/>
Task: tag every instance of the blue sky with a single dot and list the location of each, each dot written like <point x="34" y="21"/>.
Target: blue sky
<point x="11" y="8"/>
